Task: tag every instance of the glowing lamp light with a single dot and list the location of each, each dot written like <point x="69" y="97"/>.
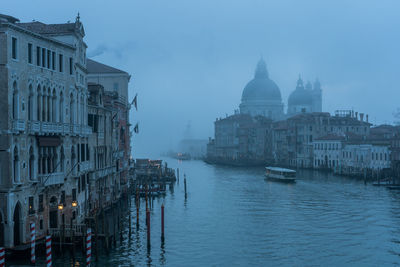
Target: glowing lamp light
<point x="60" y="206"/>
<point x="74" y="203"/>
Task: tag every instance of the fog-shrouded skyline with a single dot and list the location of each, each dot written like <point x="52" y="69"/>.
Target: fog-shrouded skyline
<point x="190" y="60"/>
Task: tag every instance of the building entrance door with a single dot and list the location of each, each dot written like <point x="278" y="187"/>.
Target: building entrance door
<point x="17" y="225"/>
<point x="53" y="215"/>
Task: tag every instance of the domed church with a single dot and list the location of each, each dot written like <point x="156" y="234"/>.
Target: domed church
<point x="262" y="96"/>
<point x="305" y="99"/>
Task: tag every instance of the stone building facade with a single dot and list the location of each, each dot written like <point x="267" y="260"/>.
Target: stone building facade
<point x="44" y="133"/>
<point x="302" y="129"/>
<point x="115" y="83"/>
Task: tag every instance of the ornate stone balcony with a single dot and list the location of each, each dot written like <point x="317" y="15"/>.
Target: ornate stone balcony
<point x="18" y="125"/>
<point x="46" y="127"/>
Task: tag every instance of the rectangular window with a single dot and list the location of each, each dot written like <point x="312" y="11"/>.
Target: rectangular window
<point x="116" y="87"/>
<point x="63" y="197"/>
<point x="48" y="59"/>
<point x="29" y="53"/>
<point x="41" y="224"/>
<point x="41" y="207"/>
<point x="38" y="57"/>
<point x="14" y="50"/>
<point x="31" y="207"/>
<point x="53" y="61"/>
<point x="60" y="63"/>
<point x="70" y="66"/>
<point x="74" y="194"/>
<point x="43" y="57"/>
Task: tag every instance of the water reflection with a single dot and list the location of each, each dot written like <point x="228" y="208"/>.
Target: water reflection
<point x="236" y="217"/>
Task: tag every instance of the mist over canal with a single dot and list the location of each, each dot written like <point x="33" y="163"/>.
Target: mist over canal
<point x="234" y="217"/>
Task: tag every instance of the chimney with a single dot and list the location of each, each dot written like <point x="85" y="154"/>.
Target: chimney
<point x="352" y="113"/>
<point x="357" y="115"/>
<point x="361" y="116"/>
<point x="366" y="117"/>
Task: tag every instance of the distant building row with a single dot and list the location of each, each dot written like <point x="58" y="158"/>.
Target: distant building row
<point x="344" y="142"/>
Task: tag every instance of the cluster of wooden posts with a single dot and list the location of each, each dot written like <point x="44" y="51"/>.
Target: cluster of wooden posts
<point x="104" y="227"/>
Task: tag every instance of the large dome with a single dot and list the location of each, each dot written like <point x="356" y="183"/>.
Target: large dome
<point x="261" y="87"/>
<point x="300" y="96"/>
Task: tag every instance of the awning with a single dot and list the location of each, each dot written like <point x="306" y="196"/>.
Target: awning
<point x="49" y="141"/>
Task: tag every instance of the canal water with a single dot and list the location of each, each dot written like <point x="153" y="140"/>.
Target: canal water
<point x="234" y="217"/>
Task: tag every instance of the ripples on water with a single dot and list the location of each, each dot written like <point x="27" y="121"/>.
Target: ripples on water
<point x="234" y="217"/>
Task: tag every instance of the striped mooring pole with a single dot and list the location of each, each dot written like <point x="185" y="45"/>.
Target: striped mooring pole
<point x="88" y="246"/>
<point x="33" y="243"/>
<point x="2" y="257"/>
<point x="49" y="262"/>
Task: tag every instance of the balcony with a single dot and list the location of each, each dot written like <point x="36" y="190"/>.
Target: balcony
<point x="103" y="172"/>
<point x="34" y="127"/>
<point x="76" y="129"/>
<point x="66" y="128"/>
<point x="85" y="166"/>
<point x="46" y="127"/>
<point x="18" y="125"/>
<point x="51" y="178"/>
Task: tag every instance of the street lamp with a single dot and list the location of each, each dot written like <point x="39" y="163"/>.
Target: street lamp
<point x="74" y="203"/>
<point x="61" y="206"/>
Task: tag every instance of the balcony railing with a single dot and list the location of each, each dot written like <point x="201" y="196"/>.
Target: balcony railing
<point x="19" y="125"/>
<point x="85" y="166"/>
<point x="103" y="172"/>
<point x="51" y="178"/>
<point x="46" y="127"/>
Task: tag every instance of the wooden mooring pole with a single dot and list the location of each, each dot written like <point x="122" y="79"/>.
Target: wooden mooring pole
<point x="162" y="223"/>
<point x="148" y="227"/>
<point x="184" y="181"/>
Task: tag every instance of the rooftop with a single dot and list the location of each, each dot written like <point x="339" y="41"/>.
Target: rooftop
<point x="97" y="67"/>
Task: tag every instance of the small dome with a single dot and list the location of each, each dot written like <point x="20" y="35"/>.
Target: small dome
<point x="261" y="87"/>
<point x="300" y="96"/>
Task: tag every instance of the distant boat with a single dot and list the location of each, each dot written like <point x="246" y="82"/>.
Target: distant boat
<point x="280" y="174"/>
<point x="183" y="156"/>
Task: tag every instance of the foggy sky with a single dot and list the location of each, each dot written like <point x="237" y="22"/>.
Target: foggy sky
<point x="190" y="60"/>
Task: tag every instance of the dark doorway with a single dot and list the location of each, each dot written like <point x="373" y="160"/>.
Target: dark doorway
<point x="53" y="218"/>
<point x="53" y="213"/>
<point x="17" y="225"/>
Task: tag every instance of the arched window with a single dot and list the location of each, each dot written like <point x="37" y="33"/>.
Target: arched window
<point x="49" y="114"/>
<point x="30" y="104"/>
<point x="62" y="158"/>
<point x="73" y="159"/>
<point x="49" y="160"/>
<point x="31" y="164"/>
<point x="77" y="109"/>
<point x="71" y="109"/>
<point x="16" y="166"/>
<point x="15" y="101"/>
<point x="44" y="104"/>
<point x="54" y="106"/>
<point x="82" y="111"/>
<point x="38" y="103"/>
<point x="61" y="108"/>
<point x="54" y="159"/>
